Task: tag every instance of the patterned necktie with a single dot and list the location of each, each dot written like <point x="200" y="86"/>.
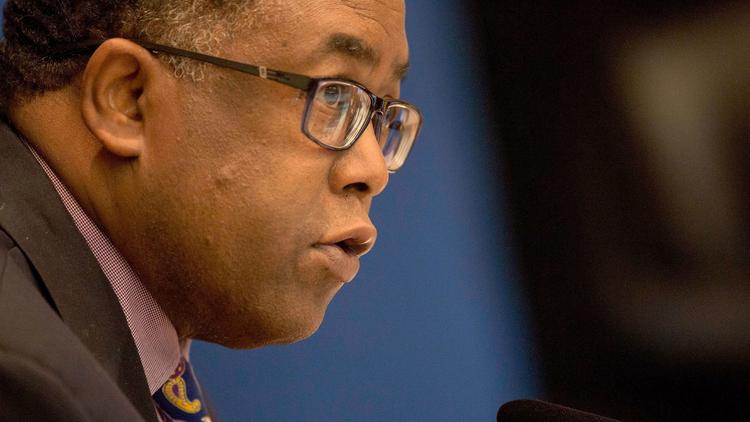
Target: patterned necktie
<point x="180" y="398"/>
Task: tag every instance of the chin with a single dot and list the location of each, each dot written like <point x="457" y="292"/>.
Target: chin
<point x="267" y="331"/>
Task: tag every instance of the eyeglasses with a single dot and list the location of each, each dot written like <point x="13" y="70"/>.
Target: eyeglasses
<point x="337" y="111"/>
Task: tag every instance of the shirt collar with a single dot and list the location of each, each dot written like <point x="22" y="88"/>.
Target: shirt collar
<point x="154" y="334"/>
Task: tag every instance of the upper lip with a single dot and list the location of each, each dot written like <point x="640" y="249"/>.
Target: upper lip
<point x="355" y="240"/>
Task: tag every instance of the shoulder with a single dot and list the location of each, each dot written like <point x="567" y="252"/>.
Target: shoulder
<point x="30" y="392"/>
<point x="21" y="292"/>
<point x="29" y="388"/>
<point x="46" y="374"/>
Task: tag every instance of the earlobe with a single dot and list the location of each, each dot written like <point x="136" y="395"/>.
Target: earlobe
<point x="112" y="96"/>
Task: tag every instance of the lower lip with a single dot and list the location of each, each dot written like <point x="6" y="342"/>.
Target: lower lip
<point x="344" y="266"/>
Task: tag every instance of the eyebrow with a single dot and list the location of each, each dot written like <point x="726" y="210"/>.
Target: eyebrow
<point x="358" y="49"/>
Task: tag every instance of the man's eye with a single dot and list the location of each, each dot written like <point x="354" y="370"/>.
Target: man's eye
<point x="332" y="95"/>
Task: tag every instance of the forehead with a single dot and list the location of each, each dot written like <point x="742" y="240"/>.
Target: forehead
<point x="299" y="26"/>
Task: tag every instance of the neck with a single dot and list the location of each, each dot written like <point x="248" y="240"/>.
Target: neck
<point x="52" y="125"/>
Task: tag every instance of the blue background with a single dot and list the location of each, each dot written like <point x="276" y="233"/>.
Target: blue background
<point x="434" y="327"/>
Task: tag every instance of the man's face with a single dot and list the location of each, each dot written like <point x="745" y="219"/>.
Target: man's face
<point x="235" y="223"/>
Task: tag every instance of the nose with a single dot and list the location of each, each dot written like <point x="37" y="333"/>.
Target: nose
<point x="361" y="169"/>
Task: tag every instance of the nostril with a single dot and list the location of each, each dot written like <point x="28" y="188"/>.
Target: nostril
<point x="359" y="187"/>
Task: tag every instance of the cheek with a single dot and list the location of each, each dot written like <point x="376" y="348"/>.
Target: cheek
<point x="244" y="171"/>
<point x="236" y="204"/>
<point x="271" y="208"/>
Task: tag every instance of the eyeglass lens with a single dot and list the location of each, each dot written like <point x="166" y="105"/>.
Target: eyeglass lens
<point x="396" y="134"/>
<point x="338" y="113"/>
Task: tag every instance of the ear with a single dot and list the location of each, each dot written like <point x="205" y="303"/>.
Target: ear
<point x="113" y="95"/>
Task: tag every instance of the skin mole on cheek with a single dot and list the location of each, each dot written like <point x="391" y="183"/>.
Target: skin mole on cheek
<point x="226" y="176"/>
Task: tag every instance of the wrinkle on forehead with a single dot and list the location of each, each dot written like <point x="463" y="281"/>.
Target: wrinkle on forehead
<point x="305" y="26"/>
<point x="396" y="6"/>
<point x="372" y="9"/>
<point x="297" y="13"/>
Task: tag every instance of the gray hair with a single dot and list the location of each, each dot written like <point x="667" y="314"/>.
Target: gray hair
<point x="34" y="27"/>
<point x="199" y="25"/>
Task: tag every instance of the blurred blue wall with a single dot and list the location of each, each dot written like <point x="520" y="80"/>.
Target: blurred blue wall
<point x="433" y="328"/>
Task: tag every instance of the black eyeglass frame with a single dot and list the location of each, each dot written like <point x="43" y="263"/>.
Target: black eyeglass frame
<point x="305" y="83"/>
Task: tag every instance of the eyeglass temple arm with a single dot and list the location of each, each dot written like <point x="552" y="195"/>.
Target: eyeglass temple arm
<point x="291" y="79"/>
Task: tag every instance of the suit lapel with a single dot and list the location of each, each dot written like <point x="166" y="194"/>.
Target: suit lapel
<point x="33" y="215"/>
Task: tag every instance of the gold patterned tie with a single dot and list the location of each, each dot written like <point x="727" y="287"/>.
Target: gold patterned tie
<point x="180" y="398"/>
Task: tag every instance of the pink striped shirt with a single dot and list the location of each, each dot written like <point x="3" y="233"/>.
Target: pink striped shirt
<point x="154" y="335"/>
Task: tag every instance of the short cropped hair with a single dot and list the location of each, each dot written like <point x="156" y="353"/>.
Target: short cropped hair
<point x="34" y="28"/>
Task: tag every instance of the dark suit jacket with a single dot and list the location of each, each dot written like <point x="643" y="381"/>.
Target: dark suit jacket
<point x="66" y="353"/>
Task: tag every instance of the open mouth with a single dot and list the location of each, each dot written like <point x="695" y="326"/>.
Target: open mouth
<point x="351" y="247"/>
<point x="354" y="241"/>
<point x="346" y="248"/>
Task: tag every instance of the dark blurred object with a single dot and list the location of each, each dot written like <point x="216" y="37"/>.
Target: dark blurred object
<point x="540" y="411"/>
<point x="623" y="128"/>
